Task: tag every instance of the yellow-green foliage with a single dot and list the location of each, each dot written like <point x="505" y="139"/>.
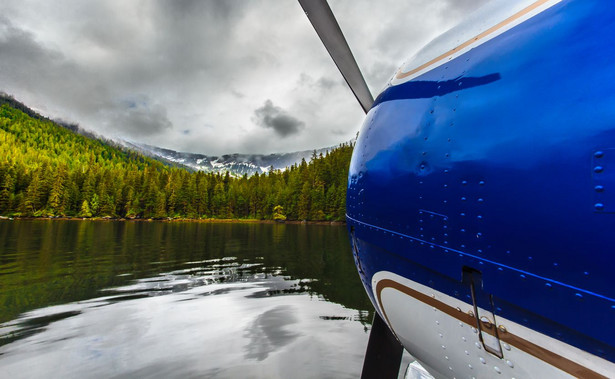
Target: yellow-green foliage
<point x="47" y="170"/>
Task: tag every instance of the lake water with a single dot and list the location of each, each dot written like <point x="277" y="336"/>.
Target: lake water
<point x="103" y="299"/>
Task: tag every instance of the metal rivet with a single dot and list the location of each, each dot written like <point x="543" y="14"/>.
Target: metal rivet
<point x="510" y="364"/>
<point x="599" y="154"/>
<point x="502" y="328"/>
<point x="497" y="369"/>
<point x="478" y="345"/>
<point x="482" y="360"/>
<point x="506" y="346"/>
<point x="598" y="169"/>
<point x="599" y="188"/>
<point x="599" y="206"/>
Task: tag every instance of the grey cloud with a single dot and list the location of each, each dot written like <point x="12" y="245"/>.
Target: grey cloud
<point x="138" y="117"/>
<point x="326" y="83"/>
<point x="237" y="94"/>
<point x="23" y="59"/>
<point x="323" y="83"/>
<point x="271" y="116"/>
<point x="37" y="69"/>
<point x="31" y="68"/>
<point x="217" y="9"/>
<point x="202" y="66"/>
<point x="464" y="6"/>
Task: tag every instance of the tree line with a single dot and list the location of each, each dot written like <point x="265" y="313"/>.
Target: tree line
<point x="50" y="171"/>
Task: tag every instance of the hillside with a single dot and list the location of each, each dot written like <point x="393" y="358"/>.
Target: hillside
<point x="47" y="170"/>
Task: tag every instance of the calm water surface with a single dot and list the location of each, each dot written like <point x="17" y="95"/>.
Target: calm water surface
<point x="154" y="299"/>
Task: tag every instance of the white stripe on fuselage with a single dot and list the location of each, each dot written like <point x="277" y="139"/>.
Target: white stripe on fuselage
<point x="439" y="331"/>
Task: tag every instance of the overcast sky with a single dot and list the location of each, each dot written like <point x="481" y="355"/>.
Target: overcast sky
<point x="209" y="77"/>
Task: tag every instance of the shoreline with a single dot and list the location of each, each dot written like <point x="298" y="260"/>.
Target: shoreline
<point x="196" y="220"/>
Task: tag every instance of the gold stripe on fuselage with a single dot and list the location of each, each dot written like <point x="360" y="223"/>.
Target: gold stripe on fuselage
<point x="486" y="33"/>
<point x="531" y="348"/>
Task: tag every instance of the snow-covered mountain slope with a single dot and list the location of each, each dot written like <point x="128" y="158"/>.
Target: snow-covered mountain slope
<point x="235" y="164"/>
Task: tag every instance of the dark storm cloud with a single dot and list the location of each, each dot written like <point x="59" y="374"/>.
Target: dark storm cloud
<point x="271" y="116"/>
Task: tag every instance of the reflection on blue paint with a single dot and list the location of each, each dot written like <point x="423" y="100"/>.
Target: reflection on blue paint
<point x="424" y="89"/>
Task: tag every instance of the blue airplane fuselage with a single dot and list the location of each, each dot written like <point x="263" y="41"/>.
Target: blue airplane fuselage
<point x="500" y="161"/>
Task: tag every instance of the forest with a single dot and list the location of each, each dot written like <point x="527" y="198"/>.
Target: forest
<point x="49" y="170"/>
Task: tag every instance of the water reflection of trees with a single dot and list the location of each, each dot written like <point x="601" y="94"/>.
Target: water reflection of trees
<point x="44" y="262"/>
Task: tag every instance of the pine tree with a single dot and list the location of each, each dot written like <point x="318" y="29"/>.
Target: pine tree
<point x="303" y="207"/>
<point x="56" y="202"/>
<point x="278" y="213"/>
<point x="85" y="209"/>
<point x="32" y="201"/>
<point x="6" y="192"/>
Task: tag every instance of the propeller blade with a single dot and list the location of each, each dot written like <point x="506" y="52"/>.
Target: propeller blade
<point x="384" y="352"/>
<point x="323" y="21"/>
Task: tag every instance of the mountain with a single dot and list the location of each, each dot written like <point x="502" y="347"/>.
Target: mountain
<point x="51" y="170"/>
<point x="236" y="164"/>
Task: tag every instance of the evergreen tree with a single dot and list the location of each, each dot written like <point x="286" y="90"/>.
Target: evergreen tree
<point x="278" y="213"/>
<point x="85" y="209"/>
<point x="6" y="192"/>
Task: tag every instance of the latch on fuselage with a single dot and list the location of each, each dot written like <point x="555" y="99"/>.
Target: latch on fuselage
<point x="485" y="317"/>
